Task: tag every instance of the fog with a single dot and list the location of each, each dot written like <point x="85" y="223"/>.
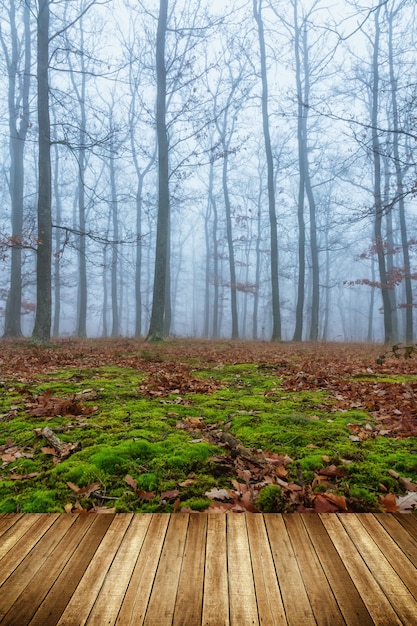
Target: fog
<point x="218" y="169"/>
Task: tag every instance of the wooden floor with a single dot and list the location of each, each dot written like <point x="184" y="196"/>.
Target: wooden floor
<point x="208" y="569"/>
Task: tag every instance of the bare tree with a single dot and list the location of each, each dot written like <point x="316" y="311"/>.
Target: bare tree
<point x="18" y="105"/>
<point x="276" y="311"/>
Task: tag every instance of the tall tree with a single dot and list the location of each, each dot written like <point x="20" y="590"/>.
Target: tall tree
<point x="392" y="13"/>
<point x="18" y="105"/>
<point x="156" y="327"/>
<point x="377" y="174"/>
<point x="276" y="311"/>
<point x="42" y="329"/>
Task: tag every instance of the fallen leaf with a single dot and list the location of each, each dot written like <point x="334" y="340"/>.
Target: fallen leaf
<point x="339" y="501"/>
<point x="51" y="451"/>
<point x="170" y="495"/>
<point x="389" y="503"/>
<point x="131" y="481"/>
<point x="145" y="495"/>
<point x="219" y="494"/>
<point x="408" y="503"/>
<point x="23" y="476"/>
<point x="187" y="483"/>
<point x="322" y="505"/>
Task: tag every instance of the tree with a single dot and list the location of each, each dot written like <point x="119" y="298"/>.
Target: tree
<point x="276" y="312"/>
<point x="18" y="105"/>
<point x="42" y="329"/>
<point x="156" y="327"/>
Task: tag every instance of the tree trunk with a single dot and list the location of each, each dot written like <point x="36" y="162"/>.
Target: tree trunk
<point x="12" y="322"/>
<point x="42" y="329"/>
<point x="276" y="313"/>
<point x="378" y="206"/>
<point x="115" y="330"/>
<point x="232" y="267"/>
<point x="57" y="241"/>
<point x="400" y="188"/>
<point x="156" y="327"/>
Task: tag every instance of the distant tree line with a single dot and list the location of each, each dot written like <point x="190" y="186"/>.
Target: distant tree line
<point x="243" y="169"/>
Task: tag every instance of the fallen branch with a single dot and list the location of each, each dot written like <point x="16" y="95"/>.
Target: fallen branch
<point x="64" y="449"/>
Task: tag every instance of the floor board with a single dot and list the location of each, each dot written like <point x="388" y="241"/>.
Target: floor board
<point x="216" y="570"/>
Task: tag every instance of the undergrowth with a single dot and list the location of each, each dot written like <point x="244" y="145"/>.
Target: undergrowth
<point x="132" y="448"/>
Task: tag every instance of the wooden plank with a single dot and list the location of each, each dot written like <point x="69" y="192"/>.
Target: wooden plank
<point x="7" y="520"/>
<point x="65" y="584"/>
<point x="294" y="595"/>
<point x="78" y="608"/>
<point x="21" y="548"/>
<point x="161" y="605"/>
<point x="15" y="532"/>
<point x="107" y="605"/>
<point x="322" y="600"/>
<point x="268" y="594"/>
<point x="408" y="521"/>
<point x="216" y="589"/>
<point x="242" y="598"/>
<point x="189" y="604"/>
<point x="399" y="534"/>
<point x="377" y="604"/>
<point x="32" y="596"/>
<point x="390" y="582"/>
<point x="347" y="596"/>
<point x="393" y="552"/>
<point x="26" y="570"/>
<point x="136" y="600"/>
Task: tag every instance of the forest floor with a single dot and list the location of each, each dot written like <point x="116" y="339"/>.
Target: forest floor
<point x="121" y="425"/>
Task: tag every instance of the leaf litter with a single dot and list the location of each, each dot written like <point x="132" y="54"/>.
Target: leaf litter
<point x="347" y="375"/>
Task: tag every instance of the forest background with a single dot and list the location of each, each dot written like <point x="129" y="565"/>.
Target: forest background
<point x="242" y="169"/>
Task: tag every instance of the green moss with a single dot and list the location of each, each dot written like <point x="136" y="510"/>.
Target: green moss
<point x="271" y="500"/>
<point x="360" y="493"/>
<point x="197" y="504"/>
<point x="40" y="501"/>
<point x="131" y="433"/>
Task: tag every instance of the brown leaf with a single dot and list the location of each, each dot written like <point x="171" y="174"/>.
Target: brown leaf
<point x="407" y="484"/>
<point x="89" y="489"/>
<point x="339" y="501"/>
<point x="170" y="495"/>
<point x="51" y="451"/>
<point x="23" y="476"/>
<point x="322" y="505"/>
<point x="131" y="481"/>
<point x="73" y="486"/>
<point x="145" y="495"/>
<point x="103" y="509"/>
<point x="187" y="483"/>
<point x="389" y="503"/>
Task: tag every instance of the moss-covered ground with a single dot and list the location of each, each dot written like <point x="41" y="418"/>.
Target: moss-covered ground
<point x="146" y="426"/>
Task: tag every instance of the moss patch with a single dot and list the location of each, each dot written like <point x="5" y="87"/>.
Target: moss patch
<point x="132" y="451"/>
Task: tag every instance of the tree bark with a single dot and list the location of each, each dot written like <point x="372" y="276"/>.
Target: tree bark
<point x="378" y="205"/>
<point x="156" y="327"/>
<point x="42" y="329"/>
<point x="276" y="312"/>
<point x="400" y="187"/>
<point x="18" y="133"/>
